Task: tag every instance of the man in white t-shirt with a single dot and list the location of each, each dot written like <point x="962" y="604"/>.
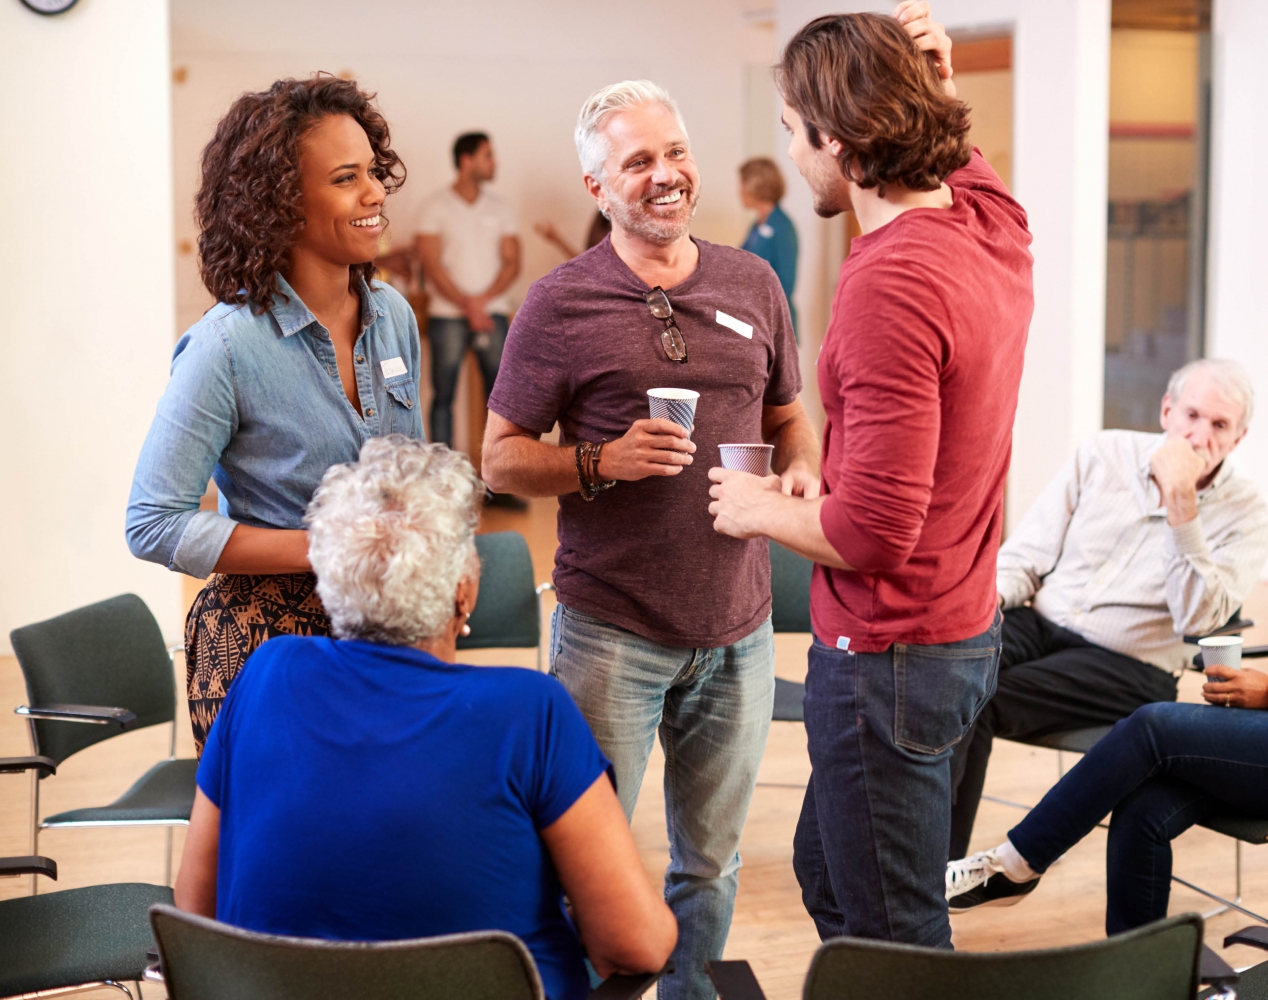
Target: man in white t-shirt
<point x="470" y="250"/>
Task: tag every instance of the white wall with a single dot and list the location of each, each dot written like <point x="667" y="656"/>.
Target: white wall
<point x="519" y="71"/>
<point x="86" y="281"/>
<point x="1237" y="320"/>
<point x="1061" y="79"/>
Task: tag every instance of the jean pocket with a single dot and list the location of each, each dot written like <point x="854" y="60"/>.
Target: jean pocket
<point x="939" y="691"/>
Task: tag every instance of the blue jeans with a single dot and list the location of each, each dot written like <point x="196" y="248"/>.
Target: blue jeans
<point x="712" y="709"/>
<point x="1162" y="769"/>
<point x="870" y="851"/>
<point x="450" y="340"/>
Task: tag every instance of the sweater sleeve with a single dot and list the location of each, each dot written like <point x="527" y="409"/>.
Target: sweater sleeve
<point x="888" y="360"/>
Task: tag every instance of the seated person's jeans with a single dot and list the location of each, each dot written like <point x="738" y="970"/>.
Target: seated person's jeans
<point x="870" y="850"/>
<point x="1161" y="770"/>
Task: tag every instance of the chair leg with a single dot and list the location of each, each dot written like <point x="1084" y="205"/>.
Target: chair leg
<point x="166" y="870"/>
<point x="1226" y="904"/>
<point x="35" y="825"/>
<point x="1238" y="864"/>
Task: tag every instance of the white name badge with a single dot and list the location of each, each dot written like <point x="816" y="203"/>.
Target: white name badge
<point x="738" y="325"/>
<point x="393" y="367"/>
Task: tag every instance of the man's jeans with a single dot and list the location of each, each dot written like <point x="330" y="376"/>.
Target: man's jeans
<point x="1160" y="770"/>
<point x="450" y="340"/>
<point x="870" y="850"/>
<point x="712" y="708"/>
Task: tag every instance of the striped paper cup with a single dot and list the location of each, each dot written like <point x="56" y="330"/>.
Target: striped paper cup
<point x="754" y="458"/>
<point x="678" y="405"/>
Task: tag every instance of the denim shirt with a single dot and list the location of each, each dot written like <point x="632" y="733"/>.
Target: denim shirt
<point x="255" y="403"/>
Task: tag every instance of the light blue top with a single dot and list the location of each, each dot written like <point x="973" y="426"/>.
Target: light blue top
<point x="255" y="403"/>
<point x="775" y="241"/>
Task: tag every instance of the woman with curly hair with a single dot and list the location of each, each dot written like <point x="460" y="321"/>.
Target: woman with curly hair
<point x="302" y="360"/>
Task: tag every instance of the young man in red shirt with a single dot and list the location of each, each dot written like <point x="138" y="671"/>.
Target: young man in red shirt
<point x="918" y="374"/>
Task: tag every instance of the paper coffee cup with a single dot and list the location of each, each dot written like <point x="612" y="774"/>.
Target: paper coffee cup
<point x="754" y="458"/>
<point x="1222" y="651"/>
<point x="678" y="405"/>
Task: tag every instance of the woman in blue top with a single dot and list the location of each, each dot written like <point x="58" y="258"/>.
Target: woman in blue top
<point x="372" y="789"/>
<point x="772" y="236"/>
<point x="303" y="358"/>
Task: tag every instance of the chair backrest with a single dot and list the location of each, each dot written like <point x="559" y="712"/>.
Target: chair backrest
<point x="110" y="653"/>
<point x="790" y="590"/>
<point x="1157" y="962"/>
<point x="506" y="613"/>
<point x="206" y="960"/>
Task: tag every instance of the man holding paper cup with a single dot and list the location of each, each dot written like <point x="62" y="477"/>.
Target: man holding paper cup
<point x="651" y="350"/>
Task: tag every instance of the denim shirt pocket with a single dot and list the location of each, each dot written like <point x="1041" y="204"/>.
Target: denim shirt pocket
<point x="938" y="693"/>
<point x="403" y="392"/>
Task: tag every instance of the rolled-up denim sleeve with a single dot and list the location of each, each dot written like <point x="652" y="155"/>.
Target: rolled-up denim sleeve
<point x="192" y="426"/>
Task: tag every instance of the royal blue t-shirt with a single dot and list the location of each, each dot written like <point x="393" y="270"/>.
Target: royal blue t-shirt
<point x="372" y="792"/>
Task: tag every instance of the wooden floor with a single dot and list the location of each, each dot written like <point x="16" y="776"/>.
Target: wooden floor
<point x="770" y="928"/>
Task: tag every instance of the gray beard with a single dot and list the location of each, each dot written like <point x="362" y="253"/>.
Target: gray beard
<point x="637" y="221"/>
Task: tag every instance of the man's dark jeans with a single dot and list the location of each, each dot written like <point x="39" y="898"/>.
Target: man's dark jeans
<point x="450" y="340"/>
<point x="1161" y="770"/>
<point x="870" y="851"/>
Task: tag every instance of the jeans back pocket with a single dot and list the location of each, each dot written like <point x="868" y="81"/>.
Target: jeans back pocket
<point x="938" y="693"/>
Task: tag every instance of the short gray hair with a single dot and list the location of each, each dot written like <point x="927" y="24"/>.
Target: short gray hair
<point x="390" y="536"/>
<point x="1230" y="376"/>
<point x="593" y="147"/>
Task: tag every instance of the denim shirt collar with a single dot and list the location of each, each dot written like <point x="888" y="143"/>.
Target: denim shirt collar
<point x="292" y="315"/>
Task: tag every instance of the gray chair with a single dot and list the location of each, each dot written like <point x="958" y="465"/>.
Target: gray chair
<point x="203" y="959"/>
<point x="1161" y="961"/>
<point x="76" y="940"/>
<point x="790" y="612"/>
<point x="507" y="614"/>
<point x="90" y="675"/>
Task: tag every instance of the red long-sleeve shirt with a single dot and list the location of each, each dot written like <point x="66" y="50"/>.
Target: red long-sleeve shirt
<point x="918" y="375"/>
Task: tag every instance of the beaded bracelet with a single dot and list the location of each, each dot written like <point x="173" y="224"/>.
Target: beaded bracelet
<point x="587" y="458"/>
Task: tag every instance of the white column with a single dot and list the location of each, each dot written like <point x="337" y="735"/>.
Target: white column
<point x="1237" y="310"/>
<point x="1060" y="161"/>
<point x="86" y="278"/>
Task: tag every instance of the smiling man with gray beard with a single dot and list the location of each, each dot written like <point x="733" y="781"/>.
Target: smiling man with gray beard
<point x="663" y="625"/>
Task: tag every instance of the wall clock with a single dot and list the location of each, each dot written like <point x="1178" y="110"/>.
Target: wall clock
<point x="49" y="6"/>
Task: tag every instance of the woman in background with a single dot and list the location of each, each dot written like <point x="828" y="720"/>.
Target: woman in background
<point x="772" y="236"/>
<point x="303" y="359"/>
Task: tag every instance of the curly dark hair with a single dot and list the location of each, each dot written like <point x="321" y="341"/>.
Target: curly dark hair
<point x="860" y="79"/>
<point x="248" y="207"/>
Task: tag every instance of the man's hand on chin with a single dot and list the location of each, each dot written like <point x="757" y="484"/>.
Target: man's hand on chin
<point x="742" y="502"/>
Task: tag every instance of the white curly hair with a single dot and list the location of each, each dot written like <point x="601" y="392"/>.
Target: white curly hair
<point x="593" y="146"/>
<point x="390" y="536"/>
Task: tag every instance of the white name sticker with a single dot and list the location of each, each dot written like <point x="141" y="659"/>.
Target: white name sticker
<point x="393" y="367"/>
<point x="738" y="325"/>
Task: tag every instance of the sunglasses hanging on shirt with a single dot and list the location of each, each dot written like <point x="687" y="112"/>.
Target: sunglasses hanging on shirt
<point x="671" y="336"/>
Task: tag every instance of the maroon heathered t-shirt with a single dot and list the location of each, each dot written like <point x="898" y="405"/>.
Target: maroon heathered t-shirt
<point x="584" y="349"/>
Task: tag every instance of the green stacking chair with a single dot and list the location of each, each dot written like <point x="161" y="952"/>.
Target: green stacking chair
<point x="507" y="614"/>
<point x="790" y="612"/>
<point x="1161" y="961"/>
<point x="90" y="675"/>
<point x="66" y="942"/>
<point x="203" y="959"/>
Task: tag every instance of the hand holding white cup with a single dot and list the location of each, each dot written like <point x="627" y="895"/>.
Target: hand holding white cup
<point x="754" y="458"/>
<point x="1221" y="651"/>
<point x="678" y="405"/>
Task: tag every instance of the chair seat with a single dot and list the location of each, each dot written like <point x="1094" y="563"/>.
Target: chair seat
<point x="1253" y="831"/>
<point x="163" y="795"/>
<point x="1073" y="740"/>
<point x="789" y="696"/>
<point x="1251" y="985"/>
<point x="76" y="936"/>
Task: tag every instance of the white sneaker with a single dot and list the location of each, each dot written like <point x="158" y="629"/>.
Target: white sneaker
<point x="968" y="873"/>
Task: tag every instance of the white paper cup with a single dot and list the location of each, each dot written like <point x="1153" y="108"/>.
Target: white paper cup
<point x="678" y="405"/>
<point x="1222" y="651"/>
<point x="754" y="458"/>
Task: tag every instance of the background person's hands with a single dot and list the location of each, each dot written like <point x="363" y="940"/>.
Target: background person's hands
<point x="738" y="499"/>
<point x="916" y="17"/>
<point x="1177" y="465"/>
<point x="477" y="315"/>
<point x="1244" y="688"/>
<point x="652" y="447"/>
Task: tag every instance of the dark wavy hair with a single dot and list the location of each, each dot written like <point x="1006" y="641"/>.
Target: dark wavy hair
<point x="860" y="79"/>
<point x="248" y="206"/>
